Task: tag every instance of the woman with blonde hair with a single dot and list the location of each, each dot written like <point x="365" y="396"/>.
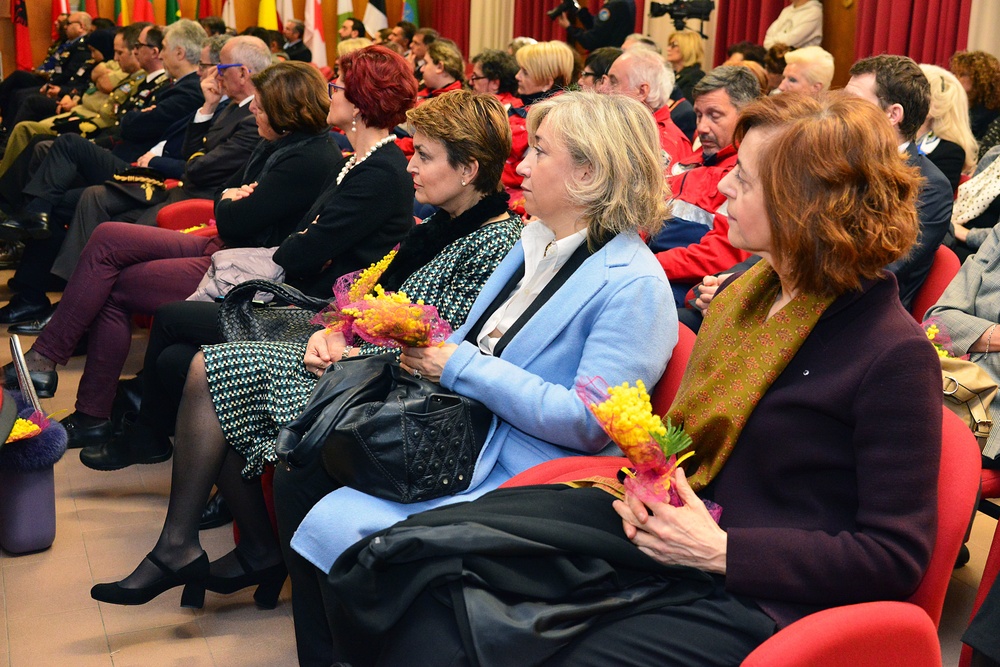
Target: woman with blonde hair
<point x="946" y="137"/>
<point x="686" y="55"/>
<point x="591" y="192"/>
<point x="546" y="68"/>
<point x="350" y="45"/>
<point x="796" y="436"/>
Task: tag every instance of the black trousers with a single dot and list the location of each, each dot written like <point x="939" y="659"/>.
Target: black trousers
<point x="71" y="160"/>
<point x="295" y="493"/>
<point x="983" y="634"/>
<point x="179" y="330"/>
<point x="717" y="630"/>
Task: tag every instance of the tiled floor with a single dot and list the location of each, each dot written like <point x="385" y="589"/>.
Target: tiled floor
<point x="106" y="522"/>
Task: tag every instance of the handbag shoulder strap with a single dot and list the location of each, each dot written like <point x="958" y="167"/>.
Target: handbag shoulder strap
<point x="571" y="265"/>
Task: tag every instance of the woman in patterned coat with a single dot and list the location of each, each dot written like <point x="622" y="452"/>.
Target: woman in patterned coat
<point x="237" y="396"/>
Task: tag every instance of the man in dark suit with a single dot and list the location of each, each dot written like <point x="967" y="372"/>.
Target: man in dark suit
<point x="217" y="142"/>
<point x="294" y="47"/>
<point x="898" y="86"/>
<point x="55" y="187"/>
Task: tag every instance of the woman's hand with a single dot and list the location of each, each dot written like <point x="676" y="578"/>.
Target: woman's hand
<point x="241" y="192"/>
<point x="675" y="535"/>
<point x="324" y="348"/>
<point x="427" y="362"/>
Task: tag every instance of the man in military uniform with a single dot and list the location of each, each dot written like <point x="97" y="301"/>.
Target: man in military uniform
<point x="610" y="27"/>
<point x="69" y="76"/>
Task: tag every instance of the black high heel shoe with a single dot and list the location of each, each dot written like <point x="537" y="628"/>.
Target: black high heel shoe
<point x="268" y="581"/>
<point x="192" y="576"/>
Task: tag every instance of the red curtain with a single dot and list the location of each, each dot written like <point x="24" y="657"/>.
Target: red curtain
<point x="929" y="31"/>
<point x="742" y="20"/>
<point x="451" y="19"/>
<point x="530" y="19"/>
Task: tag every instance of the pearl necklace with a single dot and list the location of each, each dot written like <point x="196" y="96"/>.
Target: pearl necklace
<point x="354" y="161"/>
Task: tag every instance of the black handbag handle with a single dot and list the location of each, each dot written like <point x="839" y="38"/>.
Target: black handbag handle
<point x="299" y="441"/>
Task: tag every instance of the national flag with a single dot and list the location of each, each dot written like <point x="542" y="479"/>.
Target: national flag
<point x="267" y="15"/>
<point x="121" y="13"/>
<point x="173" y="11"/>
<point x="375" y="18"/>
<point x="314" y="38"/>
<point x="89" y="6"/>
<point x="142" y="10"/>
<point x="285" y="13"/>
<point x="58" y="7"/>
<point x="229" y="13"/>
<point x="410" y="12"/>
<point x="22" y="39"/>
<point x="345" y="10"/>
<point x="205" y="8"/>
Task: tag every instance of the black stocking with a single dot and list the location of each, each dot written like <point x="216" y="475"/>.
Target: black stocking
<point x="199" y="451"/>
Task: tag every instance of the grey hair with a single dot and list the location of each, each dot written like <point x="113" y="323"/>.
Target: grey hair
<point x="739" y="83"/>
<point x="252" y="52"/>
<point x="215" y="44"/>
<point x="646" y="66"/>
<point x="189" y="36"/>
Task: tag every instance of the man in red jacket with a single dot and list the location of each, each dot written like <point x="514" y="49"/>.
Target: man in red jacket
<point x="695" y="241"/>
<point x="641" y="75"/>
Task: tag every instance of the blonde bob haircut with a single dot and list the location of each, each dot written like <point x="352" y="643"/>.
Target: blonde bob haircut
<point x="547" y="60"/>
<point x="471" y="127"/>
<point x="840" y="199"/>
<point x="689" y="44"/>
<point x="627" y="191"/>
<point x="948" y="115"/>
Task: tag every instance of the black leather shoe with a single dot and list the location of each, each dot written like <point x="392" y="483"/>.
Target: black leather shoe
<point x="81" y="435"/>
<point x="192" y="577"/>
<point x="23" y="227"/>
<point x="127" y="449"/>
<point x="32" y="328"/>
<point x="45" y="381"/>
<point x="216" y="513"/>
<point x="18" y="311"/>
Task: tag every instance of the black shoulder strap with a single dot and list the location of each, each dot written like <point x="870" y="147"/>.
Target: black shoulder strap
<point x="571" y="265"/>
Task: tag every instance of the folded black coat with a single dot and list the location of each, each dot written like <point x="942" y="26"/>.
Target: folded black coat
<point x="529" y="567"/>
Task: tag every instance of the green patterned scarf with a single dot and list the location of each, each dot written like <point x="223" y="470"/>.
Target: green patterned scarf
<point x="740" y="352"/>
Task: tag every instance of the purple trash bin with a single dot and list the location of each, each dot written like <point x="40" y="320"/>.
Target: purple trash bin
<point x="27" y="482"/>
<point x="27" y="510"/>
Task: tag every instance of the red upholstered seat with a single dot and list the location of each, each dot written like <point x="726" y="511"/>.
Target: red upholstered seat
<point x="944" y="268"/>
<point x="186" y="214"/>
<point x="990" y="488"/>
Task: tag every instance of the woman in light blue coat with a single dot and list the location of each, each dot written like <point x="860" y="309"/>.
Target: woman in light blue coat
<point x="613" y="317"/>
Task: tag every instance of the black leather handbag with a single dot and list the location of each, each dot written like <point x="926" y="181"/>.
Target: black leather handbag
<point x="387" y="433"/>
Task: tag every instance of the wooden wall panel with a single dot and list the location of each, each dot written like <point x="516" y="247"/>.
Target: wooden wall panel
<point x="839" y="20"/>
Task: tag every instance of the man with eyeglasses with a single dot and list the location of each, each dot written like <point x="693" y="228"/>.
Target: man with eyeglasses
<point x="53" y="188"/>
<point x="69" y="75"/>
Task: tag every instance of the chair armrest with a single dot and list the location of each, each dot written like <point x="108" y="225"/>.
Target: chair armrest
<point x="876" y="634"/>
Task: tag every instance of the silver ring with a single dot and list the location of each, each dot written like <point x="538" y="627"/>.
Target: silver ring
<point x="417" y="374"/>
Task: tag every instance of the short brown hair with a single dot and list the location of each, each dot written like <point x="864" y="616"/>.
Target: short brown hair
<point x="899" y="80"/>
<point x="471" y="127"/>
<point x="840" y="199"/>
<point x="294" y="96"/>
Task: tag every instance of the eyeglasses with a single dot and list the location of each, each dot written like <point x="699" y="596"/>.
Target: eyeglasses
<point x="221" y="68"/>
<point x="332" y="87"/>
<point x="204" y="66"/>
<point x="474" y="78"/>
